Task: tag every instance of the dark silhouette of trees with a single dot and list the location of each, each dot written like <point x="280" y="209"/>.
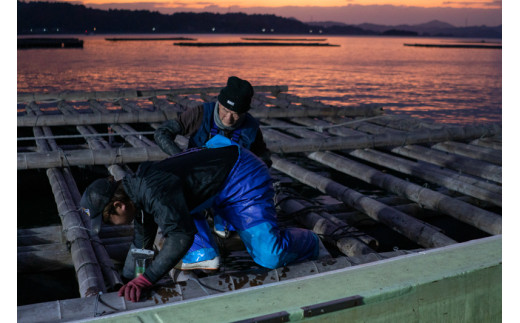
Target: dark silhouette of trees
<point x="58" y="17"/>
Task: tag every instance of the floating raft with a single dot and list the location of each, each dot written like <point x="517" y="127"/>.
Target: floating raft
<point x="148" y="38"/>
<point x="283" y="39"/>
<point x="416" y="204"/>
<point x="457" y="46"/>
<point x="25" y="43"/>
<point x="263" y="43"/>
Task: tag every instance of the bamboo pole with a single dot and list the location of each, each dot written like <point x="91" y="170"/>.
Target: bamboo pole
<point x="89" y="157"/>
<point x="161" y="116"/>
<point x="184" y="102"/>
<point x="484" y="220"/>
<point x="214" y="97"/>
<point x="131" y="94"/>
<point x="471" y="151"/>
<point x="423" y="234"/>
<point x="89" y="130"/>
<point x="95" y="118"/>
<point x="305" y="101"/>
<point x="128" y="106"/>
<point x="488" y="143"/>
<point x="446" y="173"/>
<point x="407" y="123"/>
<point x="65" y="108"/>
<point x="165" y="105"/>
<point x="269" y="113"/>
<point x="464" y="184"/>
<point x="457" y="163"/>
<point x="356" y="218"/>
<point x="133" y="140"/>
<point x="341" y="234"/>
<point x="110" y="274"/>
<point x="421" y="167"/>
<point x="382" y="140"/>
<point x="92" y="142"/>
<point x="352" y="216"/>
<point x="88" y="271"/>
<point x="453" y="181"/>
<point x="96" y="107"/>
<point x="490" y="155"/>
<point x="280" y="103"/>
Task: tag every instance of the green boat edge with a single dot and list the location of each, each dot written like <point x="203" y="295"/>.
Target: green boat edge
<point x="458" y="283"/>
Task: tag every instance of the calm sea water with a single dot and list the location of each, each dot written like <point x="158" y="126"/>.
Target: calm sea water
<point x="450" y="85"/>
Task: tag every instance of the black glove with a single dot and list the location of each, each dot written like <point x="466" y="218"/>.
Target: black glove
<point x="165" y="137"/>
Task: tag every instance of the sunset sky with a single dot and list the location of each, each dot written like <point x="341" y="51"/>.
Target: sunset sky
<point x="391" y="12"/>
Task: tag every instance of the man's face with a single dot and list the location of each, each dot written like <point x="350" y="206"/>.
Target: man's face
<point x="229" y="118"/>
<point x="123" y="213"/>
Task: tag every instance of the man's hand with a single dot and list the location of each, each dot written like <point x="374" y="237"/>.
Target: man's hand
<point x="132" y="291"/>
<point x="165" y="137"/>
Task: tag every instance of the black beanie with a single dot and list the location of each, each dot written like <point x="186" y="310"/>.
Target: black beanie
<point x="237" y="94"/>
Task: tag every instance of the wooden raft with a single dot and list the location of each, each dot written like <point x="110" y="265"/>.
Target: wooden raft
<point x="364" y="169"/>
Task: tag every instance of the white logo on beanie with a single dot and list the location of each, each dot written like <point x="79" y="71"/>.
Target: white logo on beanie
<point x="231" y="103"/>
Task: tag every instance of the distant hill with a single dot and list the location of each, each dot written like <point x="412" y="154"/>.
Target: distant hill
<point x="67" y="18"/>
<point x="432" y="28"/>
<point x="37" y="17"/>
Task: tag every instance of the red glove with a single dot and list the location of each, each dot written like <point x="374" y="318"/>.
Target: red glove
<point x="132" y="291"/>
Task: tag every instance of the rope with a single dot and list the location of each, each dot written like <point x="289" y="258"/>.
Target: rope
<point x="99" y="300"/>
<point x="279" y="188"/>
<point x="348" y="234"/>
<point x="95" y="264"/>
<point x="76" y="227"/>
<point x="345" y="231"/>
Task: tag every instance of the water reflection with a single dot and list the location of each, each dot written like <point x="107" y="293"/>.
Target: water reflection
<point x="449" y="85"/>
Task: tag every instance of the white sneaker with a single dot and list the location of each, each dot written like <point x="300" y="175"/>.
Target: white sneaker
<point x="212" y="264"/>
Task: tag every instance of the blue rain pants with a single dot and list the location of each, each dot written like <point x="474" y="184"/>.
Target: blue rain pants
<point x="246" y="202"/>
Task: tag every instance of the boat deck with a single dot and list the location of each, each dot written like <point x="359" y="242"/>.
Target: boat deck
<point x="372" y="186"/>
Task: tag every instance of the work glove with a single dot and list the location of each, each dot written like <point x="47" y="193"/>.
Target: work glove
<point x="132" y="291"/>
<point x="165" y="137"/>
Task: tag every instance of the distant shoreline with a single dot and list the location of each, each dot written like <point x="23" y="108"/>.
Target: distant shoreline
<point x="283" y="37"/>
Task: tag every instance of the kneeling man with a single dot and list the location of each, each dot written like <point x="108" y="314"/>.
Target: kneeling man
<point x="164" y="195"/>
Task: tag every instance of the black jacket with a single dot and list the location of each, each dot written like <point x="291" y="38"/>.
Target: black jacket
<point x="165" y="192"/>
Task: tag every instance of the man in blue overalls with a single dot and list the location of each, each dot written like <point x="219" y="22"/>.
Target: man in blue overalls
<point x="228" y="117"/>
<point x="166" y="194"/>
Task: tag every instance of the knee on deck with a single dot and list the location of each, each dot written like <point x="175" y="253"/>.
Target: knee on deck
<point x="273" y="248"/>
